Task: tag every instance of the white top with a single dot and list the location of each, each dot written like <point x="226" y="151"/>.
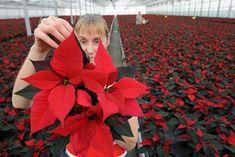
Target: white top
<point x="71" y="155"/>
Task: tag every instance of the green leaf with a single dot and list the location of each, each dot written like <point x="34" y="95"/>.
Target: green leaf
<point x="143" y="149"/>
<point x="224" y="129"/>
<point x="41" y="65"/>
<point x="217" y="144"/>
<point x="209" y="151"/>
<point x="164" y="114"/>
<point x="15" y="146"/>
<point x="58" y="144"/>
<point x="207" y="137"/>
<point x="160" y="152"/>
<point x="123" y="129"/>
<point x="194" y="115"/>
<point x="178" y="132"/>
<point x="233" y="127"/>
<point x="7" y="127"/>
<point x="28" y="92"/>
<point x="230" y="148"/>
<point x="115" y="135"/>
<point x="172" y="123"/>
<point x="180" y="118"/>
<point x="1" y="114"/>
<point x="181" y="149"/>
<point x="194" y="136"/>
<point x="126" y="72"/>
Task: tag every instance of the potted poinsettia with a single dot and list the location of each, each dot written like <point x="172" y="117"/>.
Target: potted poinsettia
<point x="90" y="103"/>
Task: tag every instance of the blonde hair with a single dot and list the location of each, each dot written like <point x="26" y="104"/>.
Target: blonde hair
<point x="89" y="22"/>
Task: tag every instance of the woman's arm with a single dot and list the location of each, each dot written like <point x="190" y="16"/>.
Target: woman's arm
<point x="130" y="142"/>
<point x="56" y="27"/>
<point x="26" y="70"/>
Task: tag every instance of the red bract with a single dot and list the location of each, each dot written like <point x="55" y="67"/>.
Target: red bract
<point x="89" y="136"/>
<point x="41" y="115"/>
<point x="66" y="65"/>
<point x="114" y="97"/>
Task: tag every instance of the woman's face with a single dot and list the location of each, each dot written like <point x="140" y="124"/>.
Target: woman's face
<point x="89" y="43"/>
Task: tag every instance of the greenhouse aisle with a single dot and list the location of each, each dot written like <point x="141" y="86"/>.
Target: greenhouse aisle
<point x="115" y="50"/>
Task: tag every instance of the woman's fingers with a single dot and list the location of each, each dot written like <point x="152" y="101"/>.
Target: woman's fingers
<point x="44" y="37"/>
<point x="58" y="26"/>
<point x="68" y="27"/>
<point x="48" y="29"/>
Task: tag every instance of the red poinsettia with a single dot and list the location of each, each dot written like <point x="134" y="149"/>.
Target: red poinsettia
<point x="66" y="72"/>
<point x="114" y="97"/>
<point x="68" y="82"/>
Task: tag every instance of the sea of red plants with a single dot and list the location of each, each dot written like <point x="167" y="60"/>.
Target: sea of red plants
<point x="14" y="123"/>
<point x="187" y="64"/>
<point x="189" y="68"/>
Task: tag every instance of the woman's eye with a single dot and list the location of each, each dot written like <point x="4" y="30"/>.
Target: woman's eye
<point x="82" y="41"/>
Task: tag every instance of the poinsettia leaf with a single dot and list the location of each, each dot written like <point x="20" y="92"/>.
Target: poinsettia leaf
<point x="116" y="135"/>
<point x="81" y="138"/>
<point x="61" y="100"/>
<point x="68" y="58"/>
<point x="172" y="123"/>
<point x="59" y="144"/>
<point x="126" y="72"/>
<point x="83" y="98"/>
<point x="41" y="115"/>
<point x="123" y="129"/>
<point x="217" y="144"/>
<point x="206" y="137"/>
<point x="193" y="135"/>
<point x="209" y="150"/>
<point x="101" y="144"/>
<point x="160" y="151"/>
<point x="130" y="88"/>
<point x="131" y="108"/>
<point x="28" y="92"/>
<point x="230" y="148"/>
<point x="43" y="79"/>
<point x="95" y="111"/>
<point x="108" y="107"/>
<point x="7" y="127"/>
<point x="100" y="76"/>
<point x="181" y="149"/>
<point x="71" y="125"/>
<point x="41" y="65"/>
<point x="112" y="77"/>
<point x="103" y="60"/>
<point x="86" y="59"/>
<point x="93" y="85"/>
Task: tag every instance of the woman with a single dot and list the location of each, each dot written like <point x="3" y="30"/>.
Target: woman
<point x="140" y="20"/>
<point x="88" y="29"/>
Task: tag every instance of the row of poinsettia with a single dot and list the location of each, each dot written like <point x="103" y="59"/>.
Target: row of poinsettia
<point x="12" y="28"/>
<point x="187" y="63"/>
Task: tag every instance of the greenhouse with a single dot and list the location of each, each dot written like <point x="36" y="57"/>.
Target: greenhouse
<point x="117" y="78"/>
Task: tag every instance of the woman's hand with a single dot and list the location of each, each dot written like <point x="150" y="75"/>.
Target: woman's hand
<point x="48" y="31"/>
